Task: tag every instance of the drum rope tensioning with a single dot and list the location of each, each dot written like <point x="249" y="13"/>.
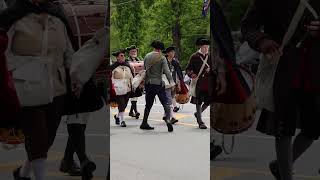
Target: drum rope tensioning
<point x="233" y="119"/>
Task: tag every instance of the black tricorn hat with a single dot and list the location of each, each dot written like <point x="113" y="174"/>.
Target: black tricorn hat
<point x="116" y="53"/>
<point x="132" y="47"/>
<point x="157" y="45"/>
<point x="202" y="41"/>
<point x="170" y="48"/>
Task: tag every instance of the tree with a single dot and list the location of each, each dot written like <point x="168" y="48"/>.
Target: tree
<point x="128" y="18"/>
<point x="175" y="22"/>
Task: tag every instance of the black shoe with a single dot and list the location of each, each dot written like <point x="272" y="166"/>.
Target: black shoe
<point x="132" y="114"/>
<point x="214" y="151"/>
<point x="72" y="168"/>
<point x="117" y="120"/>
<point x="87" y="169"/>
<point x="176" y="109"/>
<point x="16" y="175"/>
<point x="173" y="120"/>
<point x="170" y="128"/>
<point x="274" y="168"/>
<point x="146" y="127"/>
<point x="137" y="115"/>
<point x="123" y="124"/>
<point x="202" y="126"/>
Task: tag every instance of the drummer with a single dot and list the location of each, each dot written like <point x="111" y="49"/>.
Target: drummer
<point x="201" y="97"/>
<point x="177" y="76"/>
<point x="121" y="70"/>
<point x="133" y="58"/>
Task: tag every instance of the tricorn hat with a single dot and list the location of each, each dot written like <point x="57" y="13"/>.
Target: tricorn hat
<point x="168" y="49"/>
<point x="116" y="53"/>
<point x="132" y="47"/>
<point x="202" y="41"/>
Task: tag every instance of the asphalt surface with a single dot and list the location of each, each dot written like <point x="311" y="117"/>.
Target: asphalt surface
<point x="252" y="153"/>
<point x="97" y="142"/>
<point x="158" y="154"/>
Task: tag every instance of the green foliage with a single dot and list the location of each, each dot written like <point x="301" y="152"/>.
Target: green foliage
<point x="141" y="21"/>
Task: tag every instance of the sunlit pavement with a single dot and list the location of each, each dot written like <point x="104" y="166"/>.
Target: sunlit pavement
<point x="157" y="154"/>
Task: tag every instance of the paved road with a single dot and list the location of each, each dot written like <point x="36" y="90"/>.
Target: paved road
<point x="159" y="155"/>
<point x="97" y="148"/>
<point x="252" y="153"/>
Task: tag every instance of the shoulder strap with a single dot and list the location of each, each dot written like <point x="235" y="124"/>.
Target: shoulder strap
<point x="203" y="65"/>
<point x="294" y="22"/>
<point x="154" y="62"/>
<point x="124" y="72"/>
<point x="310" y="8"/>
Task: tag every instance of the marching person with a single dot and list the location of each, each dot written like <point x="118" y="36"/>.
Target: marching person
<point x="296" y="84"/>
<point x="24" y="21"/>
<point x="196" y="64"/>
<point x="122" y="75"/>
<point x="218" y="84"/>
<point x="175" y="70"/>
<point x="155" y="65"/>
<point x="76" y="126"/>
<point x="84" y="64"/>
<point x="133" y="58"/>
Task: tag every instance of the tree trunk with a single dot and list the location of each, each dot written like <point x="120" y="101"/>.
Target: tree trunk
<point x="176" y="27"/>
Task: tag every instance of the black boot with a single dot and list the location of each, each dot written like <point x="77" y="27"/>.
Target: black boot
<point x="72" y="168"/>
<point x="117" y="120"/>
<point x="134" y="105"/>
<point x="169" y="125"/>
<point x="123" y="124"/>
<point x="145" y="125"/>
<point x="167" y="110"/>
<point x="200" y="122"/>
<point x="176" y="109"/>
<point x="131" y="113"/>
<point x="202" y="125"/>
<point x="174" y="120"/>
<point x="214" y="151"/>
<point x="87" y="169"/>
<point x="16" y="175"/>
<point x="274" y="168"/>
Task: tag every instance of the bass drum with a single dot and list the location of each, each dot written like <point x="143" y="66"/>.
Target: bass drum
<point x="137" y="66"/>
<point x="235" y="118"/>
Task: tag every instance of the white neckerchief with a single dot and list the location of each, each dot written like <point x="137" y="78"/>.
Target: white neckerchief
<point x="204" y="56"/>
<point x="202" y="52"/>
